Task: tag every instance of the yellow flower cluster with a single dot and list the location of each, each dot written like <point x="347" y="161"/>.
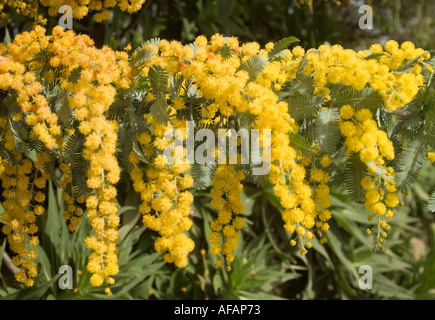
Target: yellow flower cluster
<point x="101" y="73"/>
<point x="363" y="136"/>
<point x="221" y="78"/>
<point x="81" y="8"/>
<point x="334" y="64"/>
<point x="224" y="80"/>
<point x="22" y="183"/>
<point x="165" y="197"/>
<point x="28" y="8"/>
<point x="74" y="211"/>
<point x="226" y="191"/>
<point x="13" y="75"/>
<point x="374" y="147"/>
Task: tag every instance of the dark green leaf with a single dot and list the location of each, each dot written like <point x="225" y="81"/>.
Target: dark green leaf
<point x="281" y="45"/>
<point x="254" y="66"/>
<point x="355" y="171"/>
<point x="410" y="161"/>
<point x="303" y="107"/>
<point x="327" y="131"/>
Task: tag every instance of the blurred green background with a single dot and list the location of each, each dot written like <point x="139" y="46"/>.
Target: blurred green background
<point x="266" y="267"/>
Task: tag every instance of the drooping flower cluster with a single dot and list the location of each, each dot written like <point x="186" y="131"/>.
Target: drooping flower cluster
<point x="164" y="192"/>
<point x="374" y="149"/>
<point x="80" y="8"/>
<point x="27" y="8"/>
<point x="23" y="182"/>
<point x="332" y="65"/>
<point x="226" y="191"/>
<point x="89" y="78"/>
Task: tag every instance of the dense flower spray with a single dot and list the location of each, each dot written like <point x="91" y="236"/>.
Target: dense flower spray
<point x="94" y="114"/>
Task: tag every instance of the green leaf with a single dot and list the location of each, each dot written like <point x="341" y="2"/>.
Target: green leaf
<point x="303" y="83"/>
<point x="140" y="56"/>
<point x="246" y="119"/>
<point x="355" y="171"/>
<point x="7" y="38"/>
<point x="432" y="202"/>
<point x="407" y="66"/>
<point x="202" y="174"/>
<point x="427" y="278"/>
<point x="327" y="131"/>
<point x="225" y="51"/>
<point x="336" y="174"/>
<point x="158" y="77"/>
<point x="2" y="250"/>
<point x="337" y="247"/>
<point x="130" y="216"/>
<point x="254" y="66"/>
<point x="376" y="56"/>
<point x="303" y="107"/>
<point x="160" y="109"/>
<point x="366" y="98"/>
<point x="281" y="45"/>
<point x="55" y="235"/>
<point x="20" y="134"/>
<point x="62" y="109"/>
<point x="33" y="293"/>
<point x="79" y="166"/>
<point x="45" y="262"/>
<point x="75" y="75"/>
<point x="410" y="161"/>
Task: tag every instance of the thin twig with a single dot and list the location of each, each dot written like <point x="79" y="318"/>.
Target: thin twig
<point x="9" y="264"/>
<point x="401" y="113"/>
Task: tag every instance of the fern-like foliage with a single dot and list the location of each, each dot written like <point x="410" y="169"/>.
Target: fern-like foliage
<point x="160" y="109"/>
<point x="225" y="51"/>
<point x="255" y="179"/>
<point x="281" y="45"/>
<point x="303" y="107"/>
<point x="72" y="154"/>
<point x="254" y="66"/>
<point x="158" y="78"/>
<point x="376" y="56"/>
<point x="303" y="84"/>
<point x="63" y="111"/>
<point x="432" y="202"/>
<point x="20" y="134"/>
<point x="143" y="54"/>
<point x="410" y="162"/>
<point x="407" y="66"/>
<point x="301" y="145"/>
<point x="354" y="172"/>
<point x="336" y="174"/>
<point x="245" y="119"/>
<point x="364" y="99"/>
<point x="202" y="174"/>
<point x="327" y="131"/>
<point x="124" y="147"/>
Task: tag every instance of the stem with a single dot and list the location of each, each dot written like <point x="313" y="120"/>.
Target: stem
<point x="9" y="264"/>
